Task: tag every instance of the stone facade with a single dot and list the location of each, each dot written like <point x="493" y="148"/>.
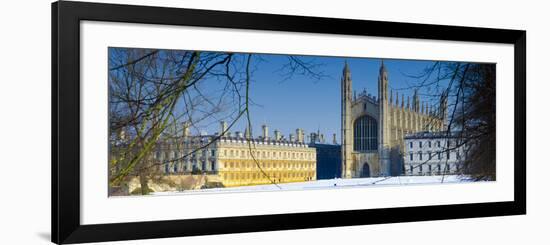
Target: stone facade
<point x="433" y="153"/>
<point x="239" y="160"/>
<point x="373" y="128"/>
<point x="269" y="161"/>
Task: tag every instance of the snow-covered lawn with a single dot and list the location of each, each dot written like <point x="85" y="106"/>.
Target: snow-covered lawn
<point x="334" y="183"/>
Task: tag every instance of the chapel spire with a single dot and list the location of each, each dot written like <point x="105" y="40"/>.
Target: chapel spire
<point x="416" y="101"/>
<point x="347" y="136"/>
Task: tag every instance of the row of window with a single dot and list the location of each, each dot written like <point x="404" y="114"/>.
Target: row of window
<point x="268" y="154"/>
<point x="259" y="175"/>
<point x="163" y="155"/>
<point x="260" y="141"/>
<point x="431" y="169"/>
<point x="179" y="167"/>
<point x="430" y="155"/>
<point x="284" y="165"/>
<point x="437" y="143"/>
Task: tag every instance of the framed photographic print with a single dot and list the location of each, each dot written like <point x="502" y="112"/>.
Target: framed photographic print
<point x="176" y="122"/>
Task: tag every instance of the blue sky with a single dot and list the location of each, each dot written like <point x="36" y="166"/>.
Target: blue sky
<point x="306" y="102"/>
<point x="312" y="104"/>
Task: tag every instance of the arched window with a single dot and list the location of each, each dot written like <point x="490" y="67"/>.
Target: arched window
<point x="365" y="134"/>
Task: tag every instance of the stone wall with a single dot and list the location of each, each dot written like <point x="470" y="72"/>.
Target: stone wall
<point x="179" y="182"/>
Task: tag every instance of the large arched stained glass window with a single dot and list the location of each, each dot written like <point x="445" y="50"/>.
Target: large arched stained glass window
<point x="365" y="134"/>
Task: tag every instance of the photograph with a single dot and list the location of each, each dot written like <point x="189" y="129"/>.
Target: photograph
<point x="195" y="121"/>
<point x="275" y="122"/>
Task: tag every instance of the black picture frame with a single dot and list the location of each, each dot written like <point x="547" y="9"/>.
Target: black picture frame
<point x="66" y="18"/>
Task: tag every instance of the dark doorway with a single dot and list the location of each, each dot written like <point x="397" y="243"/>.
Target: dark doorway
<point x="366" y="171"/>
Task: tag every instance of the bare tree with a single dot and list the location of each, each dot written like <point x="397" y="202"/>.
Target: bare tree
<point x="476" y="120"/>
<point x="470" y="90"/>
<point x="151" y="92"/>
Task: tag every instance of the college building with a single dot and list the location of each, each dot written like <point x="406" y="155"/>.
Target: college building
<point x="433" y="153"/>
<point x="239" y="159"/>
<point x="373" y="128"/>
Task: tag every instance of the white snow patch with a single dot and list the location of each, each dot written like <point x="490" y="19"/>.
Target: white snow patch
<point x="333" y="183"/>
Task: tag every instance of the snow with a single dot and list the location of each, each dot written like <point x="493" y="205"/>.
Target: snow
<point x="335" y="183"/>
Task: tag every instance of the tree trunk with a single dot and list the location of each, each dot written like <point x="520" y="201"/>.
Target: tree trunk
<point x="143" y="181"/>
